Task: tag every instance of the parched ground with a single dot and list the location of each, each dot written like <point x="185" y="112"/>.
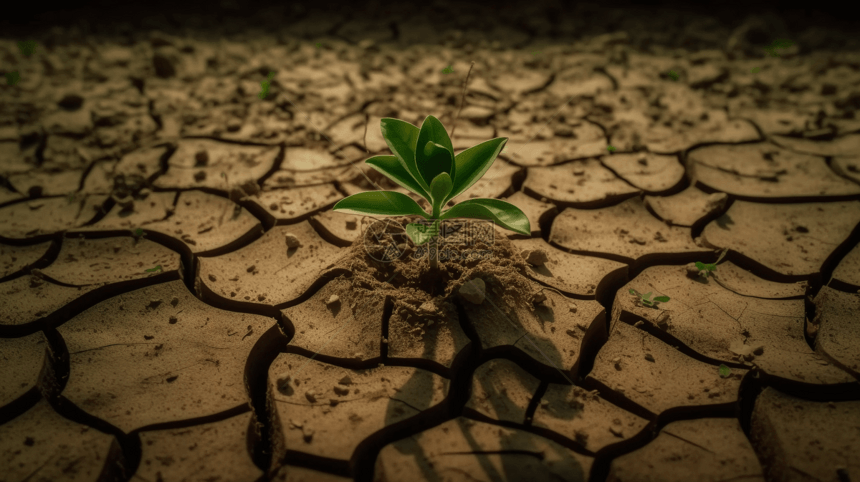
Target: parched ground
<point x="158" y="322"/>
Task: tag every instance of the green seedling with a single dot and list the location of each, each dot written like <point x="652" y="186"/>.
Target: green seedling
<point x="725" y="371"/>
<point x="704" y="268"/>
<point x="265" y="85"/>
<point x="756" y="70"/>
<point x="425" y="164"/>
<point x="447" y="70"/>
<point x="778" y="44"/>
<point x="138" y="233"/>
<point x="318" y="45"/>
<point x="610" y="148"/>
<point x="673" y="75"/>
<point x="27" y="47"/>
<point x="152" y="270"/>
<point x="535" y="52"/>
<point x="12" y="78"/>
<point x="646" y="298"/>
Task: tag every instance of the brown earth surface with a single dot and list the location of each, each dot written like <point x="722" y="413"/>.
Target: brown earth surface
<point x="248" y="332"/>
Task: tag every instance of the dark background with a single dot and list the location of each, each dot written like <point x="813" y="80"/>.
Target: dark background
<point x="29" y="19"/>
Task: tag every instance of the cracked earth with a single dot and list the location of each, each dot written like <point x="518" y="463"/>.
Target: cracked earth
<point x="179" y="302"/>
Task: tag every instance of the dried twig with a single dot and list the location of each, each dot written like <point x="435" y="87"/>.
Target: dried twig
<point x="366" y="121"/>
<point x="462" y="101"/>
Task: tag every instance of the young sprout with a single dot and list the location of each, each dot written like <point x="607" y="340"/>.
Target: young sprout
<point x="447" y="70"/>
<point x="535" y="52"/>
<point x="704" y="269"/>
<point x="318" y="45"/>
<point x="725" y="371"/>
<point x="138" y="233"/>
<point x="27" y="47"/>
<point x="673" y="75"/>
<point x="778" y="44"/>
<point x="265" y="85"/>
<point x="152" y="270"/>
<point x="12" y="78"/>
<point x="646" y="298"/>
<point x="610" y="148"/>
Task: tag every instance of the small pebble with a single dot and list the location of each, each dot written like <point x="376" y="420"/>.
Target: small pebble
<point x="174" y="301"/>
<point x="311" y="396"/>
<point x="333" y="299"/>
<point x="649" y="357"/>
<point x="212" y="278"/>
<point x="172" y="320"/>
<point x="292" y="241"/>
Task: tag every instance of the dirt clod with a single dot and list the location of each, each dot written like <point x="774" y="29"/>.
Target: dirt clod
<point x="536" y="257"/>
<point x="311" y="396"/>
<point x="292" y="241"/>
<point x="474" y="291"/>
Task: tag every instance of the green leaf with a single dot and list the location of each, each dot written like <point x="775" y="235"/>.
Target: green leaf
<point x="725" y="371"/>
<point x="473" y="163"/>
<point x="420" y="234"/>
<point x="391" y="168"/>
<point x="646" y="302"/>
<point x="661" y="298"/>
<point x="505" y="214"/>
<point x="27" y="47"/>
<point x="700" y="265"/>
<point x="402" y="137"/>
<point x="634" y="292"/>
<point x="439" y="189"/>
<point x="385" y="203"/>
<point x="12" y="78"/>
<point x="434" y="153"/>
<point x="647" y="296"/>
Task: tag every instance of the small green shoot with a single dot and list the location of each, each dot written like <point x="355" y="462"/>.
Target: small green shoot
<point x="610" y="148"/>
<point x="265" y="85"/>
<point x="756" y="70"/>
<point x="27" y="47"/>
<point x="725" y="371"/>
<point x="138" y="233"/>
<point x="12" y="78"/>
<point x="704" y="268"/>
<point x="318" y="45"/>
<point x="152" y="270"/>
<point x="646" y="298"/>
<point x="447" y="70"/>
<point x="778" y="44"/>
<point x="673" y="75"/>
<point x="535" y="52"/>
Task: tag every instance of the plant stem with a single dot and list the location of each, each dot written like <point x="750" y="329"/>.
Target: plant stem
<point x="434" y="262"/>
<point x="434" y="253"/>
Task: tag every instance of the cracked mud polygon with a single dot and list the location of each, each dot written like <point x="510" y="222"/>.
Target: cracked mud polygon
<point x="179" y="302"/>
